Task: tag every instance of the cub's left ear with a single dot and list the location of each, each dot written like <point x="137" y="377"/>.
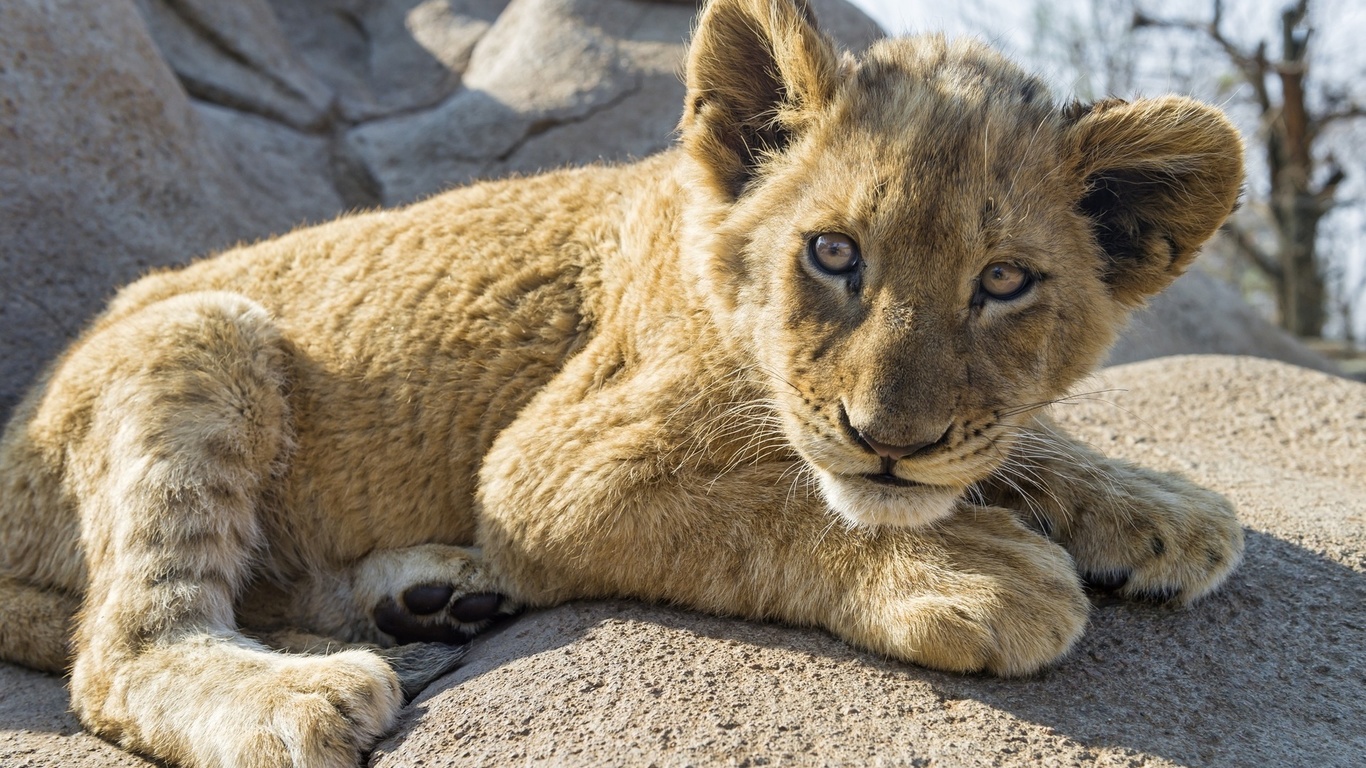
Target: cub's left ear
<point x="1159" y="177"/>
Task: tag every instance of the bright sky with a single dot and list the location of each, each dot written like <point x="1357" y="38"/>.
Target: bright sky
<point x="901" y="16"/>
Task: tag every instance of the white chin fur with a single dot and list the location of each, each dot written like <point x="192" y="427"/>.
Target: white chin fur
<point x="867" y="504"/>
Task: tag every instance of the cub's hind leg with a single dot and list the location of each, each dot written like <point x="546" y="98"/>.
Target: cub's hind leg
<point x="417" y="607"/>
<point x="188" y="427"/>
<point x="427" y="593"/>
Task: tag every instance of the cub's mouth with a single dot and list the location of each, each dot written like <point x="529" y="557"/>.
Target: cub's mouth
<point x="867" y="490"/>
<point x="889" y="479"/>
<point x="881" y="498"/>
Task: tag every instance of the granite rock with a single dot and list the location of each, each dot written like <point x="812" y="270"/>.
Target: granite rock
<point x="1267" y="671"/>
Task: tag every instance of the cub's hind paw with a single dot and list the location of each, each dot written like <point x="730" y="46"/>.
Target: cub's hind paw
<point x="436" y="613"/>
<point x="430" y="593"/>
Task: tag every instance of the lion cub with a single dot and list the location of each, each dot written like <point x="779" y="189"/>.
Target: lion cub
<point x="793" y="369"/>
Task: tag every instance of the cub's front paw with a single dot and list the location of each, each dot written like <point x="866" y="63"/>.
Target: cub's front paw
<point x="980" y="593"/>
<point x="216" y="701"/>
<point x="1154" y="536"/>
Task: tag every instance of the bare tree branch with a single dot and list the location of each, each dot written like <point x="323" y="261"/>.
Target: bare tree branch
<point x="1253" y="65"/>
<point x="1349" y="112"/>
<point x="1243" y="243"/>
<point x="1323" y="197"/>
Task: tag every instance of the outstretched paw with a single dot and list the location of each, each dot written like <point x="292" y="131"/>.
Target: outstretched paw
<point x="1156" y="537"/>
<point x="977" y="592"/>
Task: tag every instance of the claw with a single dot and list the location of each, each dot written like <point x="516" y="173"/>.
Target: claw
<point x="418" y="664"/>
<point x="1159" y="594"/>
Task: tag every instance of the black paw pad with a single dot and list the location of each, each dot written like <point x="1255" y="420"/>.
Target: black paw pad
<point x="393" y="619"/>
<point x="1105" y="582"/>
<point x="480" y="607"/>
<point x="426" y="614"/>
<point x="426" y="599"/>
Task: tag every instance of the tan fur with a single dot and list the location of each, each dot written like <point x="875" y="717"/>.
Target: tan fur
<point x="632" y="382"/>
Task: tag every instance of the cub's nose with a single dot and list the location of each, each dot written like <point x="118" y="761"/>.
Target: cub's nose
<point x="897" y="452"/>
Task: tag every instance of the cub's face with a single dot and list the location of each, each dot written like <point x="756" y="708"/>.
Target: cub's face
<point x="928" y="250"/>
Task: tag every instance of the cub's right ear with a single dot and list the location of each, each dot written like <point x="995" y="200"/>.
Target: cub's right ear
<point x="758" y="70"/>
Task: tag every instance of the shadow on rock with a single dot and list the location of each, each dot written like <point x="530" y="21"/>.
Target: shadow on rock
<point x="1267" y="672"/>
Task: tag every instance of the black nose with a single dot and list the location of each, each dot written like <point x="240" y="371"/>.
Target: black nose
<point x="896" y="452"/>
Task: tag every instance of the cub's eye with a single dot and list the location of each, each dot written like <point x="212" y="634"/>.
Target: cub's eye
<point x="833" y="253"/>
<point x="1003" y="281"/>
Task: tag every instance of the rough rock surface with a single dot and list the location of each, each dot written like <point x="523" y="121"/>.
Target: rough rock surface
<point x="553" y="82"/>
<point x="107" y="170"/>
<point x="1269" y="671"/>
<point x="139" y="133"/>
<point x="235" y="54"/>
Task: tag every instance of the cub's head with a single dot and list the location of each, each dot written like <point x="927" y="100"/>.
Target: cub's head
<point x="919" y="247"/>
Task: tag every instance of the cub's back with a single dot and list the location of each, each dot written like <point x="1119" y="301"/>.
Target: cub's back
<point x="413" y="337"/>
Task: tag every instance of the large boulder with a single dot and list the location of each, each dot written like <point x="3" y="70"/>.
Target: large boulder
<point x="1200" y="314"/>
<point x="1268" y="671"/>
<point x="552" y="83"/>
<point x="236" y="54"/>
<point x="107" y="169"/>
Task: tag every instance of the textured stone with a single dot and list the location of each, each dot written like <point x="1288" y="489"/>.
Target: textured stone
<point x="554" y="82"/>
<point x="293" y="173"/>
<point x="106" y="170"/>
<point x="543" y="65"/>
<point x="235" y="55"/>
<point x="383" y="57"/>
<point x="1268" y="671"/>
